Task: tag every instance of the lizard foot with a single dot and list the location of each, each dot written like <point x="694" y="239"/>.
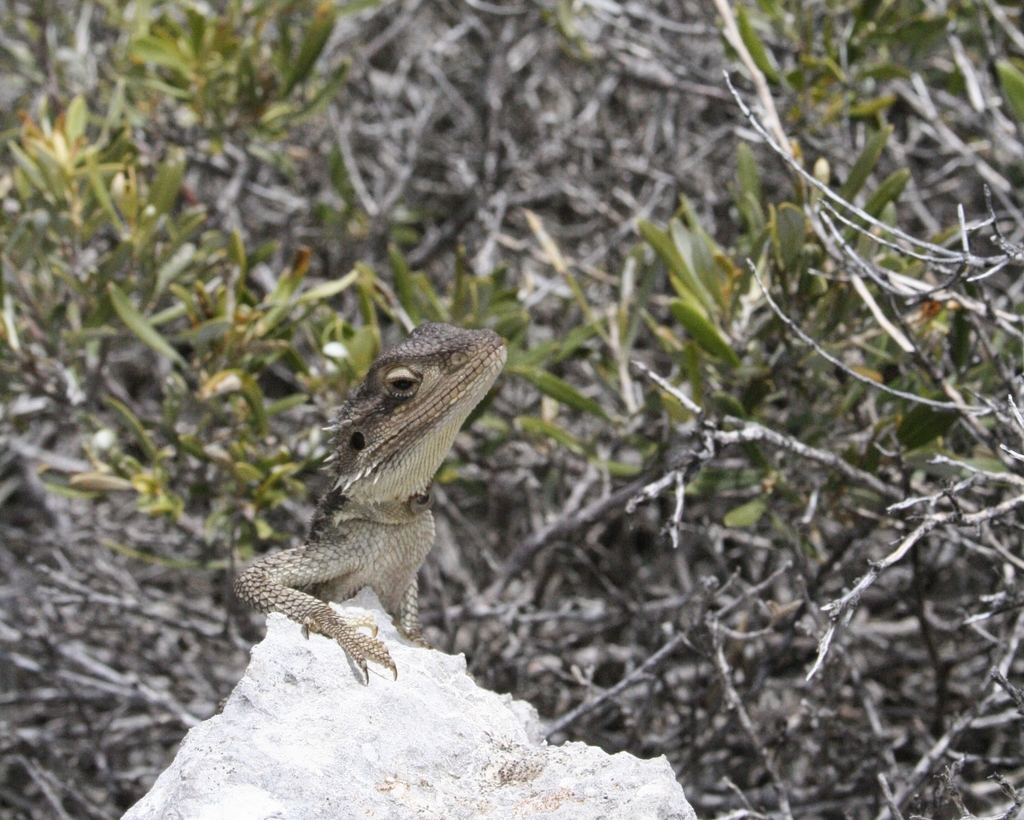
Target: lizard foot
<point x="414" y="636"/>
<point x="309" y="624"/>
<point x="359" y="647"/>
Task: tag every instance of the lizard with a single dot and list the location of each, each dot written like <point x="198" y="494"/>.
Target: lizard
<point x="374" y="527"/>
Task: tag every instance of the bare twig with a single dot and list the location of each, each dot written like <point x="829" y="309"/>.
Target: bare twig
<point x="843" y="607"/>
<point x="736" y="704"/>
<point x="556" y="529"/>
<point x="979" y="705"/>
<point x="764" y="94"/>
<point x="638" y="675"/>
<point x="752" y="431"/>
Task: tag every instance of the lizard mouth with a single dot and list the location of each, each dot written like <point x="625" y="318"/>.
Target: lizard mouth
<point x="486" y="362"/>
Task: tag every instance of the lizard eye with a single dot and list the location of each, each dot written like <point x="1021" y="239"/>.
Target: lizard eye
<point x="402" y="382"/>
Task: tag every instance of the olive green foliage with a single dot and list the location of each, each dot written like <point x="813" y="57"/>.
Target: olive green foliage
<point x="740" y="364"/>
<point x="244" y="70"/>
<point x="100" y="247"/>
<point x="102" y="251"/>
<point x="846" y="48"/>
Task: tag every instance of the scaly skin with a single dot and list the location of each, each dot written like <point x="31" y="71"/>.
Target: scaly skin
<point x="374" y="528"/>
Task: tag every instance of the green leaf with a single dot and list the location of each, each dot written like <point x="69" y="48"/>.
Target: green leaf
<point x="889" y="191"/>
<point x="290" y="279"/>
<point x="749" y="196"/>
<point x="573" y="341"/>
<point x="617" y="469"/>
<point x="235" y="380"/>
<point x="138" y="324"/>
<point x="173" y="267"/>
<point x="278" y="114"/>
<point x="68" y="492"/>
<point x="254" y="398"/>
<point x="328" y="91"/>
<point x="75" y="119"/>
<point x="712" y="481"/>
<point x="536" y="356"/>
<point x="884" y="70"/>
<point x="205" y="332"/>
<point x="358" y="5"/>
<point x="97" y="482"/>
<point x="312" y="44"/>
<point x="755" y="46"/>
<point x="28" y="165"/>
<point x="789" y="231"/>
<point x="865" y="10"/>
<point x="559" y="390"/>
<point x="921" y="29"/>
<point x="871" y="108"/>
<point x="339" y="175"/>
<point x="279" y="300"/>
<point x="287" y="403"/>
<point x="326" y="290"/>
<point x="163" y="191"/>
<point x="1011" y="79"/>
<point x="704" y="333"/>
<point x="747" y="172"/>
<point x="236" y="250"/>
<point x="162" y="52"/>
<point x="865" y="163"/>
<point x="171" y="91"/>
<point x="405" y="286"/>
<point x="99" y="190"/>
<point x="197" y="25"/>
<point x="746" y="515"/>
<point x="136" y="426"/>
<point x="538" y="427"/>
<point x="667" y="251"/>
<point x="960" y="339"/>
<point x="247" y="472"/>
<point x="923" y="424"/>
<point x="695" y="247"/>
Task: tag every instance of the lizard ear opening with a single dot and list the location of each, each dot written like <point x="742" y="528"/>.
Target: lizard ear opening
<point x="421" y="501"/>
<point x="358" y="441"/>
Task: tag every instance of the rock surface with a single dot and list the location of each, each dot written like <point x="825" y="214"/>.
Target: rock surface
<point x="302" y="737"/>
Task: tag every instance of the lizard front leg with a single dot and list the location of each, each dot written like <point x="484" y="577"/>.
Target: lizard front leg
<point x="272" y="585"/>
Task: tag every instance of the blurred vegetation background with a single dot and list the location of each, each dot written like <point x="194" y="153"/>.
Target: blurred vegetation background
<point x="748" y="494"/>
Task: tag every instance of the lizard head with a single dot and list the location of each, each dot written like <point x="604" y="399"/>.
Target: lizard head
<point x="395" y="430"/>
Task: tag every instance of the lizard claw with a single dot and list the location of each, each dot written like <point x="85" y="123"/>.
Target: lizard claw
<point x="359" y="646"/>
<point x="362" y="648"/>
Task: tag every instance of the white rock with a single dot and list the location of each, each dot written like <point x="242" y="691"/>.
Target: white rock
<point x="302" y="737"/>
